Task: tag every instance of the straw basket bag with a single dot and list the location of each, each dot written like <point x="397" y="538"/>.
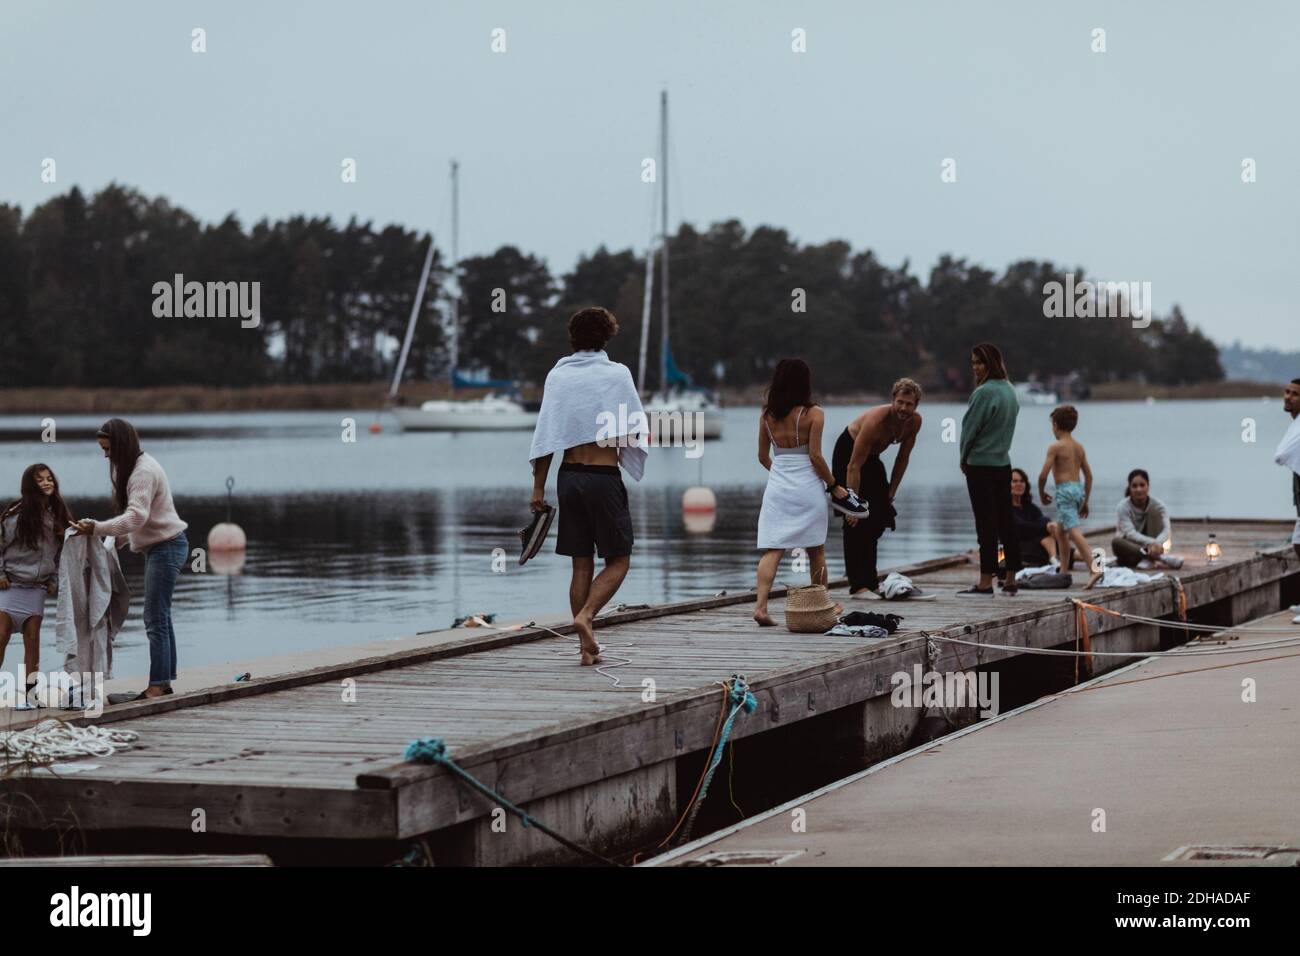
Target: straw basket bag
<point x="810" y="610"/>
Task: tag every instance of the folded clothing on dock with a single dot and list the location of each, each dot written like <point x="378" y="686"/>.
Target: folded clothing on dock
<point x="887" y="622"/>
<point x="859" y="630"/>
<point x="897" y="587"/>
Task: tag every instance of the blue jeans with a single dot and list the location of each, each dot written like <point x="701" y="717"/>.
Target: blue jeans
<point x="162" y="565"/>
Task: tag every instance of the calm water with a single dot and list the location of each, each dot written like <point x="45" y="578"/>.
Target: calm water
<point x="393" y="534"/>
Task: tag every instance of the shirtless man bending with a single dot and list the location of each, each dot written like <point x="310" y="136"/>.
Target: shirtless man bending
<point x="856" y="464"/>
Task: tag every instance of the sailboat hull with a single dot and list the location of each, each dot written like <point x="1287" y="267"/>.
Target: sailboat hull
<point x="467" y="419"/>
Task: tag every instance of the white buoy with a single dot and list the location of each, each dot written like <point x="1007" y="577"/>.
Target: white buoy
<point x="699" y="509"/>
<point x="228" y="563"/>
<point x="227" y="536"/>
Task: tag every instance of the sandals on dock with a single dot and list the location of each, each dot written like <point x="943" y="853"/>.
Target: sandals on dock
<point x="132" y="698"/>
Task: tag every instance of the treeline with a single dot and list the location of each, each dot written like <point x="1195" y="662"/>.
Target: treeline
<point x="77" y="278"/>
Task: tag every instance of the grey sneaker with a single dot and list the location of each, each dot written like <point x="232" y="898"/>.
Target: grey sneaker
<point x="1172" y="561"/>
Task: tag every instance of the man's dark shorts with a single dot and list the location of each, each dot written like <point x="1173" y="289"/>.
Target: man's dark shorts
<point x="593" y="512"/>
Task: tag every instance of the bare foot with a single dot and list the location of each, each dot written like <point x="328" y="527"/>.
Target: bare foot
<point x="1092" y="579"/>
<point x="839" y="609"/>
<point x="764" y="619"/>
<point x="587" y="640"/>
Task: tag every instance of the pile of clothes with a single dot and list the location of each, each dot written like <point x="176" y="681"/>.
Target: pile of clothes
<point x="866" y="624"/>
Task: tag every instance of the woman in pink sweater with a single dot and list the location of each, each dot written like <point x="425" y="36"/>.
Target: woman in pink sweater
<point x="148" y="519"/>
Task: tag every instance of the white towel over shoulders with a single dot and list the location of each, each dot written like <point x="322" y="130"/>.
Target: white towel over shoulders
<point x="587" y="398"/>
<point x="1288" y="450"/>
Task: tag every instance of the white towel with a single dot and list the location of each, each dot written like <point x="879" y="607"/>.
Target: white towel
<point x="1288" y="450"/>
<point x="589" y="398"/>
<point x="1117" y="577"/>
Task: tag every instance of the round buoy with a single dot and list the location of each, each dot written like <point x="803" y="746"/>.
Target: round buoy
<point x="699" y="510"/>
<point x="376" y="428"/>
<point x="698" y="500"/>
<point x="227" y="536"/>
<point x="228" y="563"/>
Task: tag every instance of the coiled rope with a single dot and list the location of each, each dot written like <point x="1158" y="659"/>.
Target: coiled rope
<point x="52" y="740"/>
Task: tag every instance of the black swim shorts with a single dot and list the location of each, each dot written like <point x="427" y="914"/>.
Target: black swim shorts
<point x="593" y="512"/>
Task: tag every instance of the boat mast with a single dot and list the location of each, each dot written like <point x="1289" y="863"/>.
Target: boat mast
<point x="455" y="273"/>
<point x="645" y="311"/>
<point x="410" y="325"/>
<point x="663" y="293"/>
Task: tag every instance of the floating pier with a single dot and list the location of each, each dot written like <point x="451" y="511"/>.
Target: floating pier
<point x="309" y="765"/>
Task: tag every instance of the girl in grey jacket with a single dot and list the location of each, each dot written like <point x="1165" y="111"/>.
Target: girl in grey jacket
<point x="31" y="540"/>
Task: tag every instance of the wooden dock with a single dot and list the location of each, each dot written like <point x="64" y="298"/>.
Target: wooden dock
<point x="317" y="756"/>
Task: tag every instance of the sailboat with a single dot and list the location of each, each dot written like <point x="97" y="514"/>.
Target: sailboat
<point x="492" y="412"/>
<point x="678" y="399"/>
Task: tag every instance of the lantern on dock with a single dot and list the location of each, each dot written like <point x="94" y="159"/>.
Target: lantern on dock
<point x="1212" y="550"/>
<point x="1002" y="555"/>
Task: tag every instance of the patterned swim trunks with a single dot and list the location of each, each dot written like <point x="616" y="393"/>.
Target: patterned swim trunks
<point x="1069" y="499"/>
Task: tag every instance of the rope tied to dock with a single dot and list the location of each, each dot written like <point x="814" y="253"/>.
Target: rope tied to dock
<point x="737" y="697"/>
<point x="433" y="750"/>
<point x="52" y="740"/>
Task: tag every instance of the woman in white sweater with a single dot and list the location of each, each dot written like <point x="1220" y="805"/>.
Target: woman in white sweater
<point x="148" y="519"/>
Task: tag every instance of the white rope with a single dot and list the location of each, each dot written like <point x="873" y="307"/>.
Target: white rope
<point x="52" y="740"/>
<point x="601" y="669"/>
<point x="1185" y="625"/>
<point x="1049" y="651"/>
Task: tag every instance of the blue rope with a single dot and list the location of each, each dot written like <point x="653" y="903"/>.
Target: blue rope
<point x="740" y="698"/>
<point x="432" y="750"/>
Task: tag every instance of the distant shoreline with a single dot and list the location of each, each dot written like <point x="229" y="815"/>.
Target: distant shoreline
<point x="372" y="396"/>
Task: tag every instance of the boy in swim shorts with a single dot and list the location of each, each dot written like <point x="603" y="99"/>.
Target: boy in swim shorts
<point x="1066" y="459"/>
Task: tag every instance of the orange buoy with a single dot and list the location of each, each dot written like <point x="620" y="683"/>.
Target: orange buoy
<point x="376" y="428"/>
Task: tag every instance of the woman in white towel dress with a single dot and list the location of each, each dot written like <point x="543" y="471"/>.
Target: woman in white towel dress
<point x="794" y="502"/>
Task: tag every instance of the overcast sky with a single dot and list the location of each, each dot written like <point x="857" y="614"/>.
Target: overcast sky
<point x="1127" y="162"/>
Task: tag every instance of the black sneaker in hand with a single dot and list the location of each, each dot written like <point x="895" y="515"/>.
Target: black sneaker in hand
<point x="850" y="506"/>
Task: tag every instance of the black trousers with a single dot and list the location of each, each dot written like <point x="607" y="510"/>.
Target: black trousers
<point x="989" y="488"/>
<point x="860" y="541"/>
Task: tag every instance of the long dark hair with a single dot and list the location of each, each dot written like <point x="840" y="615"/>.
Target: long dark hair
<point x="791" y="387"/>
<point x="33" y="506"/>
<point x="123" y="451"/>
<point x="1136" y="473"/>
<point x="991" y="356"/>
<point x="1028" y="497"/>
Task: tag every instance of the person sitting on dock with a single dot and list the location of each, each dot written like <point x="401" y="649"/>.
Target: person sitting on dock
<point x="1037" y="534"/>
<point x="583" y="394"/>
<point x="856" y="464"/>
<point x="1142" y="527"/>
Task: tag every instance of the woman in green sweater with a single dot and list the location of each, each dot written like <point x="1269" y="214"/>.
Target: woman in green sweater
<point x="986" y="432"/>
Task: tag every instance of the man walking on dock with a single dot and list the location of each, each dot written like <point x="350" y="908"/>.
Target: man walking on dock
<point x="1288" y="456"/>
<point x="592" y="413"/>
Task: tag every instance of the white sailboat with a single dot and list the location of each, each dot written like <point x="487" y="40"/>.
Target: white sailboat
<point x="492" y="412"/>
<point x="677" y="401"/>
